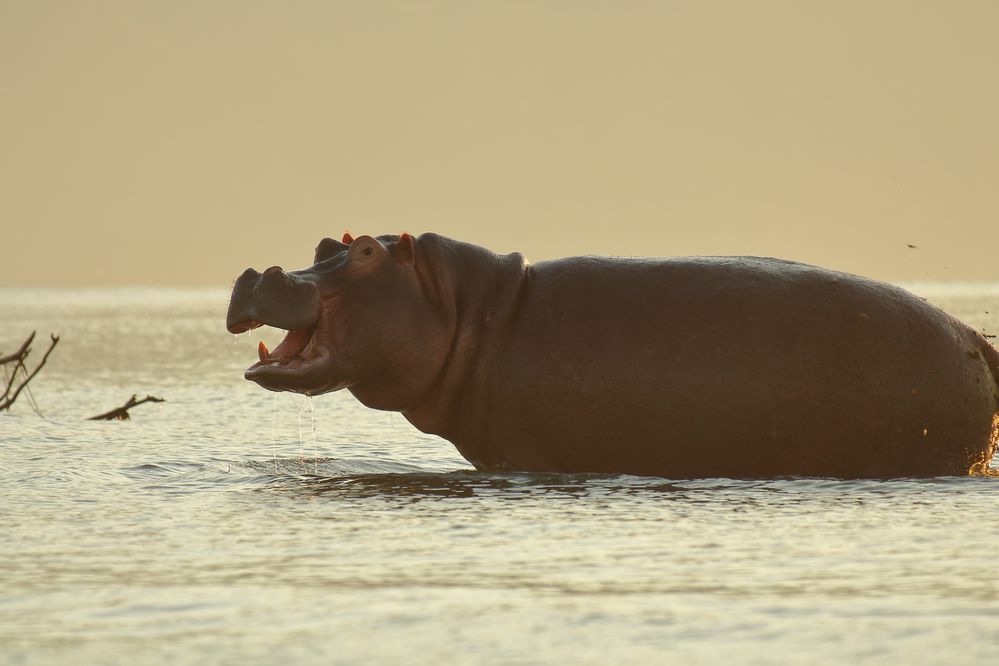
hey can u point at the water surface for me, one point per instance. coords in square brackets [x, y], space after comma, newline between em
[232, 525]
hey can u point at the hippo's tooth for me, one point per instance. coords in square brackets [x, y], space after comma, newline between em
[262, 351]
[310, 349]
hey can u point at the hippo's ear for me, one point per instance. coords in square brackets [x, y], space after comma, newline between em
[347, 238]
[405, 249]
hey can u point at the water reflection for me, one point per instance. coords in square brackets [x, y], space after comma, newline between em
[453, 484]
[334, 479]
[339, 478]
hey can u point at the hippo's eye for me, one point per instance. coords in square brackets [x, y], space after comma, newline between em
[368, 252]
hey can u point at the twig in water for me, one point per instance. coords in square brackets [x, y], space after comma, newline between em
[121, 413]
[18, 358]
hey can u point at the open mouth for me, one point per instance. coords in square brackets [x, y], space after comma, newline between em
[299, 363]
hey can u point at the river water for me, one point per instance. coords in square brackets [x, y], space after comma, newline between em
[231, 525]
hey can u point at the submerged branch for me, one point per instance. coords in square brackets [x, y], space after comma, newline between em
[18, 359]
[121, 413]
[21, 353]
[16, 365]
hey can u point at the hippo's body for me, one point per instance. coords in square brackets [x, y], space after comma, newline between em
[687, 367]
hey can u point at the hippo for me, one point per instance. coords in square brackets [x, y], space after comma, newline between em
[685, 367]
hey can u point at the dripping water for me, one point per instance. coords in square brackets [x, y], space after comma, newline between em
[312, 426]
[274, 431]
[301, 438]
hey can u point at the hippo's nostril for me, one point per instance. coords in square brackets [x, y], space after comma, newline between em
[272, 270]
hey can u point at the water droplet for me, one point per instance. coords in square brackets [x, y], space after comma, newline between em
[274, 431]
[312, 425]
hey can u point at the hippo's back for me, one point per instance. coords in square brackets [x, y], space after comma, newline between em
[733, 366]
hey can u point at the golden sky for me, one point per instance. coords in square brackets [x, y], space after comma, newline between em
[177, 142]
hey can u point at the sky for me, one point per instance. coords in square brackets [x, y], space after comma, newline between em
[177, 143]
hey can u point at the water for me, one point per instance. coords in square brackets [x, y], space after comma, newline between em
[216, 528]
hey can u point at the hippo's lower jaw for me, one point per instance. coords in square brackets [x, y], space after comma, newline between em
[300, 364]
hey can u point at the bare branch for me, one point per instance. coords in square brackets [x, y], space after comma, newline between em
[6, 402]
[19, 357]
[121, 413]
[20, 353]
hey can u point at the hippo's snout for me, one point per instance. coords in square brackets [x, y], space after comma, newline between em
[275, 298]
[302, 361]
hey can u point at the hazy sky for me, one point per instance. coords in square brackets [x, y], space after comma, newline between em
[158, 143]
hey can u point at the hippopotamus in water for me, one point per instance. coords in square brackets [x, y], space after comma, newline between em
[682, 367]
